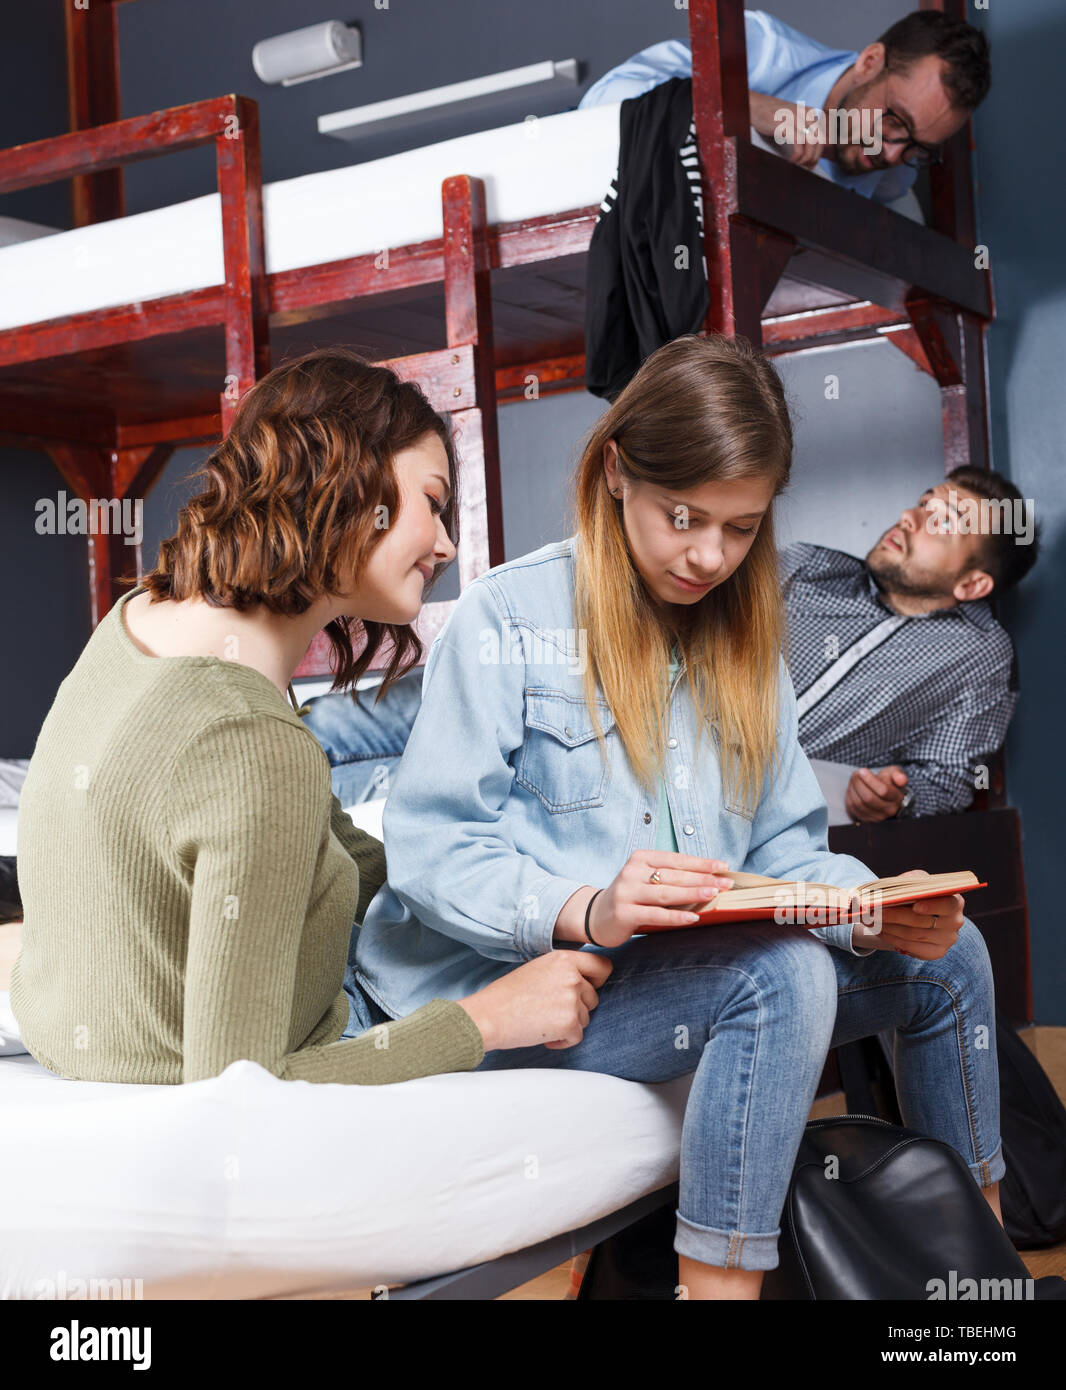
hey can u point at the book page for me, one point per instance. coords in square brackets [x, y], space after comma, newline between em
[951, 883]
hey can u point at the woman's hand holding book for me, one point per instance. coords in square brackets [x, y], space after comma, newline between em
[653, 887]
[926, 930]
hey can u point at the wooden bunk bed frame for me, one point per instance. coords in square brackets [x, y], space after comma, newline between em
[793, 263]
[111, 393]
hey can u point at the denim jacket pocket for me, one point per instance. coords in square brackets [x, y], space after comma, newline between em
[734, 807]
[560, 760]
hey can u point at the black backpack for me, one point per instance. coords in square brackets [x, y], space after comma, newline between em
[903, 1216]
[1032, 1125]
[639, 1263]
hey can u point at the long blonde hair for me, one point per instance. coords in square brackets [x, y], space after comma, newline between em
[699, 410]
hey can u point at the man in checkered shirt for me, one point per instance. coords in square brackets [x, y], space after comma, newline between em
[919, 715]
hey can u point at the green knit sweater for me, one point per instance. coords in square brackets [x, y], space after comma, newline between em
[190, 882]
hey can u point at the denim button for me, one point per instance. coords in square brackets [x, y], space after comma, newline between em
[647, 818]
[672, 743]
[690, 830]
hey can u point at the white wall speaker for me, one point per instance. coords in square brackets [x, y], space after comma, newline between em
[304, 54]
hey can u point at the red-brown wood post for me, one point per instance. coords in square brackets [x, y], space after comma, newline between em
[240, 187]
[133, 474]
[93, 99]
[964, 387]
[951, 182]
[975, 427]
[98, 474]
[908, 342]
[468, 311]
[744, 261]
[953, 343]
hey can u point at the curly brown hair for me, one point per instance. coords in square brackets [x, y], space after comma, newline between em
[292, 506]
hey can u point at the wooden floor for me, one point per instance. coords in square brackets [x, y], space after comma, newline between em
[1047, 1044]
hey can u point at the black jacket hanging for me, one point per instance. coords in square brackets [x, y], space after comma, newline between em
[646, 281]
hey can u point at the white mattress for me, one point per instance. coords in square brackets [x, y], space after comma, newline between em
[246, 1186]
[368, 816]
[550, 164]
[9, 830]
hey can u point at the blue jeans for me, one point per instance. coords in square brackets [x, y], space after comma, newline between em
[364, 1013]
[752, 1010]
[364, 739]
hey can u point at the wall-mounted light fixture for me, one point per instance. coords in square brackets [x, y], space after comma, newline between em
[304, 54]
[499, 91]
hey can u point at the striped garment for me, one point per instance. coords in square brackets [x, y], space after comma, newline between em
[689, 155]
[935, 697]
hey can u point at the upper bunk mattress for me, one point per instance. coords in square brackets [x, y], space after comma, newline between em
[544, 165]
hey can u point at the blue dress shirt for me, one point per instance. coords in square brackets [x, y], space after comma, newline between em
[782, 62]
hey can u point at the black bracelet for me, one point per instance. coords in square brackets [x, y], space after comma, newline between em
[588, 913]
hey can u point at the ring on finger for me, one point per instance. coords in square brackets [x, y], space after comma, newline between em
[656, 876]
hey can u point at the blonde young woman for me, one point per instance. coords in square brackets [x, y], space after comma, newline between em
[608, 724]
[189, 881]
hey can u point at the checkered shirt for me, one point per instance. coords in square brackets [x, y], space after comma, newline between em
[936, 697]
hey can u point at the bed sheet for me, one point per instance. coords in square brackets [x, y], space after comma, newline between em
[244, 1185]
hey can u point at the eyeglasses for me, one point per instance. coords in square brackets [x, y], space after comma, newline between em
[915, 154]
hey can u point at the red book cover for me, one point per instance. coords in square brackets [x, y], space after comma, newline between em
[812, 911]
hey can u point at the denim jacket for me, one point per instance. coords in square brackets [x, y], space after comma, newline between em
[502, 806]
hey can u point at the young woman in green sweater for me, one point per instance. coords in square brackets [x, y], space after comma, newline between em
[189, 880]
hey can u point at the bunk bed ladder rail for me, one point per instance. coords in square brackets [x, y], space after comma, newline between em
[759, 211]
[232, 123]
[459, 380]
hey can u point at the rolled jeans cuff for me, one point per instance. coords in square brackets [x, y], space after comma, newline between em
[991, 1170]
[726, 1249]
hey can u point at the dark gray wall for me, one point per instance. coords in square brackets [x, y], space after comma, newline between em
[1022, 209]
[175, 53]
[842, 492]
[44, 606]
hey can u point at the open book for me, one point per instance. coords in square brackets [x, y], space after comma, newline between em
[793, 901]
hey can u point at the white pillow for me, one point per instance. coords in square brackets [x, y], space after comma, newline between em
[13, 230]
[10, 1042]
[367, 816]
[9, 819]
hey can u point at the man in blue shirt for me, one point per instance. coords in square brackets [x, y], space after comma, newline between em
[910, 91]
